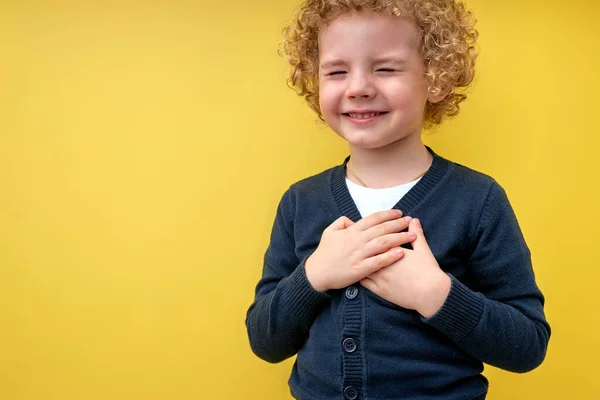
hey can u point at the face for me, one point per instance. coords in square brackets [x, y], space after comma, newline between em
[372, 90]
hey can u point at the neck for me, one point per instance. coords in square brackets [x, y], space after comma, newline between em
[391, 165]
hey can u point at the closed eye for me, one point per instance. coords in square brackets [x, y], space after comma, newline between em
[336, 73]
[386, 70]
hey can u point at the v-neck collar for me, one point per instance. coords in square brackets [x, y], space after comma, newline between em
[439, 167]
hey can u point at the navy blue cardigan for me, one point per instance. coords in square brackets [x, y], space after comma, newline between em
[353, 344]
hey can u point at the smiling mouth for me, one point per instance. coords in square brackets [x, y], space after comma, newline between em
[364, 115]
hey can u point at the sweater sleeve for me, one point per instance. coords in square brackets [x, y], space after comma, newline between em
[285, 303]
[503, 324]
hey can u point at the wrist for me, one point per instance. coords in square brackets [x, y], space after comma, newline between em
[313, 278]
[435, 295]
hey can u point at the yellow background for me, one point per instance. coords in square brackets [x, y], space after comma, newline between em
[144, 147]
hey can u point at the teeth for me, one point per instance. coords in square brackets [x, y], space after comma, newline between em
[362, 115]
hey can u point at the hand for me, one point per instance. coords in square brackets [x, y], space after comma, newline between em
[350, 251]
[415, 282]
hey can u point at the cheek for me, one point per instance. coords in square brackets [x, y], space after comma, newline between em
[407, 96]
[328, 99]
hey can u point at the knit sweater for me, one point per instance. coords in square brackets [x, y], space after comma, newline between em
[352, 344]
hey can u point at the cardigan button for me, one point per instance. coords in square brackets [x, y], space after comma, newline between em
[349, 345]
[351, 292]
[350, 393]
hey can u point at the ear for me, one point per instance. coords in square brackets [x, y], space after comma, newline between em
[435, 92]
[435, 95]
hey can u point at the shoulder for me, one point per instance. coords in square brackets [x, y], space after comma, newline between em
[479, 190]
[309, 204]
[472, 177]
[477, 198]
[312, 191]
[466, 187]
[315, 186]
[470, 181]
[316, 181]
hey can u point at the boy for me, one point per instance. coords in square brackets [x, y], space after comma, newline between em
[398, 273]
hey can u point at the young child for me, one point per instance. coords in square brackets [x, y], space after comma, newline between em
[398, 273]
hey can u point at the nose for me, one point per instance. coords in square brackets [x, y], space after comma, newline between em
[360, 86]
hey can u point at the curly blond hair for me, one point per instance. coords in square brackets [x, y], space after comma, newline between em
[447, 46]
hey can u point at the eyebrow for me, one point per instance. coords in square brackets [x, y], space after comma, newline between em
[393, 60]
[332, 63]
[381, 60]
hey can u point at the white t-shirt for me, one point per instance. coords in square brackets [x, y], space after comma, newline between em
[369, 200]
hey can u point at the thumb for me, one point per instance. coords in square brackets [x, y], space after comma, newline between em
[420, 242]
[339, 224]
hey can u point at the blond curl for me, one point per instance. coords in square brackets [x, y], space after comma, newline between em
[447, 37]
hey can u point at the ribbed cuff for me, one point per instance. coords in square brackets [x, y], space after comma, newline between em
[301, 296]
[460, 313]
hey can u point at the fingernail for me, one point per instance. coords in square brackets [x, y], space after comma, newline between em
[416, 222]
[408, 219]
[412, 235]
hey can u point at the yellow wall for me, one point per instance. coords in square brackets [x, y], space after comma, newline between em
[144, 147]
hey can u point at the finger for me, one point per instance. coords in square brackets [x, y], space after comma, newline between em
[394, 226]
[339, 224]
[387, 242]
[378, 218]
[375, 263]
[348, 222]
[420, 242]
[369, 284]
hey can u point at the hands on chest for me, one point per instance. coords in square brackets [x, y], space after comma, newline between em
[369, 252]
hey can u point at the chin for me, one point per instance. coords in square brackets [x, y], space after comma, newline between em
[368, 144]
